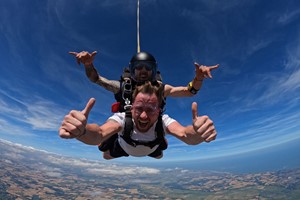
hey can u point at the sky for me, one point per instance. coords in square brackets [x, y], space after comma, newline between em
[253, 97]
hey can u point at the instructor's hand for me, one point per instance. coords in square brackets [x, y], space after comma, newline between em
[84, 57]
[203, 71]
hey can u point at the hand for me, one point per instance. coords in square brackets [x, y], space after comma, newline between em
[203, 126]
[84, 57]
[74, 123]
[204, 71]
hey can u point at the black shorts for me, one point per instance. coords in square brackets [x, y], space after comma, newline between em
[112, 145]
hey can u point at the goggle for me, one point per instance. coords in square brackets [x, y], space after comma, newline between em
[149, 109]
[139, 65]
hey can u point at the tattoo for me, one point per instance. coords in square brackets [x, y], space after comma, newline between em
[110, 85]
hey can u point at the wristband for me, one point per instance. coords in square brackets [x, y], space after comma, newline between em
[191, 88]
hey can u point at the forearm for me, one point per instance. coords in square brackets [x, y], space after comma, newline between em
[95, 134]
[183, 91]
[110, 85]
[92, 135]
[91, 72]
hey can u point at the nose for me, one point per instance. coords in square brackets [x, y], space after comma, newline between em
[143, 115]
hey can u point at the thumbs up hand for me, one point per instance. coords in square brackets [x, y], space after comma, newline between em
[203, 125]
[74, 123]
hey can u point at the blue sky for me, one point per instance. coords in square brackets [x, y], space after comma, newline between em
[253, 97]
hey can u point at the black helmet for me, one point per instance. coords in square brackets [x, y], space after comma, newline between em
[143, 59]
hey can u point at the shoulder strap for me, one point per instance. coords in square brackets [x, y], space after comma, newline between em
[124, 96]
[158, 76]
[126, 73]
[160, 133]
[128, 128]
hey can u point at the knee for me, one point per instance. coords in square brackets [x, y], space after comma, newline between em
[159, 157]
[107, 156]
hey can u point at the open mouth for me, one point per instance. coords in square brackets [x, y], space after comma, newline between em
[143, 124]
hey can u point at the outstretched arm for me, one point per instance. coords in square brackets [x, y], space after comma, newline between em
[87, 59]
[194, 86]
[202, 129]
[75, 125]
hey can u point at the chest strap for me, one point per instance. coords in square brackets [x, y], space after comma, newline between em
[128, 129]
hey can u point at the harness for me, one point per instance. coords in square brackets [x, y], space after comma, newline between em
[124, 100]
[159, 132]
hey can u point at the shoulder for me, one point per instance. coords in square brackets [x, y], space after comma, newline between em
[167, 89]
[118, 117]
[167, 120]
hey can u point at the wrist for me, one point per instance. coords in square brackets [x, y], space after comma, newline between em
[83, 133]
[199, 79]
[89, 65]
[191, 88]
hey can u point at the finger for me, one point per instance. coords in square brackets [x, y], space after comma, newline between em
[76, 55]
[196, 64]
[194, 111]
[74, 124]
[88, 107]
[211, 137]
[73, 53]
[214, 67]
[94, 53]
[209, 74]
[63, 133]
[208, 130]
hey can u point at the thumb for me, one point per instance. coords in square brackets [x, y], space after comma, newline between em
[214, 67]
[88, 107]
[94, 53]
[194, 111]
[73, 53]
[196, 65]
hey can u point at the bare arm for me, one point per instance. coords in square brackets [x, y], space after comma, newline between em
[87, 60]
[202, 129]
[195, 85]
[110, 85]
[180, 91]
[97, 134]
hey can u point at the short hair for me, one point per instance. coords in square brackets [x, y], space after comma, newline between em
[150, 88]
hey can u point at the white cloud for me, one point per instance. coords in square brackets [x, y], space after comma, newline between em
[118, 170]
[37, 112]
[288, 16]
[89, 166]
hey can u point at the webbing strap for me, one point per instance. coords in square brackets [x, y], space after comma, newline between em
[128, 129]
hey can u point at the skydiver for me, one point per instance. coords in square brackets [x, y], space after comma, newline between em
[143, 67]
[145, 112]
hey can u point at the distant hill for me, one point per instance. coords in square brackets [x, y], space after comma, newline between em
[27, 173]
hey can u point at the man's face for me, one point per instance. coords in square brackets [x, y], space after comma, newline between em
[143, 71]
[145, 111]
